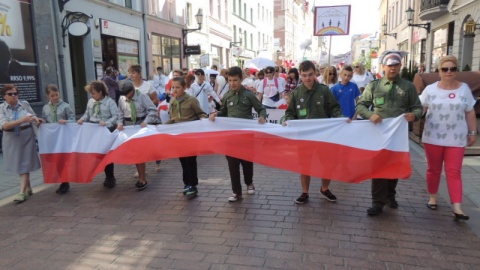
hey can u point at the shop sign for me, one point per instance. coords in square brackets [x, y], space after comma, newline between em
[119, 30]
[205, 60]
[192, 50]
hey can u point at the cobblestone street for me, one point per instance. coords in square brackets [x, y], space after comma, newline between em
[96, 228]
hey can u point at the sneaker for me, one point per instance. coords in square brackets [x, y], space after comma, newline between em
[185, 189]
[234, 197]
[328, 195]
[110, 182]
[191, 192]
[157, 168]
[140, 186]
[251, 189]
[392, 203]
[302, 199]
[21, 197]
[64, 187]
[135, 175]
[29, 192]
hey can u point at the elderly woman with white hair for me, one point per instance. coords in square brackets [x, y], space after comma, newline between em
[361, 77]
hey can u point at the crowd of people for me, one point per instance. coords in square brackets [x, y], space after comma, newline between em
[310, 92]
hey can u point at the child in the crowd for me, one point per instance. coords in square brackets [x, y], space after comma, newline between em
[136, 108]
[185, 108]
[57, 111]
[102, 110]
[238, 103]
[346, 93]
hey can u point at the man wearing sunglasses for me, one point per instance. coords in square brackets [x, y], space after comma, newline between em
[201, 89]
[389, 97]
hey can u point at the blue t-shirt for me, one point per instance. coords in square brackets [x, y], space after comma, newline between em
[346, 95]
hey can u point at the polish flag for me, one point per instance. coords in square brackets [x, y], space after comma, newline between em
[71, 152]
[325, 148]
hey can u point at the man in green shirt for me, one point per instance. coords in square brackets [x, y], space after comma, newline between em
[388, 97]
[312, 100]
[238, 103]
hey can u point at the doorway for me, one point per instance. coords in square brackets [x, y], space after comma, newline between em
[78, 74]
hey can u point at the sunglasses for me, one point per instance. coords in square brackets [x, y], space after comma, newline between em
[357, 66]
[446, 69]
[198, 74]
[331, 74]
[12, 94]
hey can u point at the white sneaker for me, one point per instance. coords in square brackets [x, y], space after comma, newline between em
[234, 198]
[251, 189]
[135, 175]
[157, 169]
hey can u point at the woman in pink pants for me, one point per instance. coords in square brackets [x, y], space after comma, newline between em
[450, 125]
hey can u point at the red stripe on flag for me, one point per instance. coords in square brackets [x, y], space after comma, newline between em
[79, 167]
[318, 159]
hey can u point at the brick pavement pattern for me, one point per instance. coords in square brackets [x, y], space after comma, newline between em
[92, 227]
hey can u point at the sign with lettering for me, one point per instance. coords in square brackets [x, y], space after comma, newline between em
[192, 50]
[119, 30]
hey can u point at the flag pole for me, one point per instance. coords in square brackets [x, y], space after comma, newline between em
[329, 50]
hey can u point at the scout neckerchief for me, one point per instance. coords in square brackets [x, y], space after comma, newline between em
[177, 102]
[53, 108]
[133, 108]
[96, 109]
[391, 93]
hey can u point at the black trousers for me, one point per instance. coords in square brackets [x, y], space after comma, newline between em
[109, 171]
[383, 190]
[189, 167]
[234, 168]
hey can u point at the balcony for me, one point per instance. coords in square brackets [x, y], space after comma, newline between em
[432, 9]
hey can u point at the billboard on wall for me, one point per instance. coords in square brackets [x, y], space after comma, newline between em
[17, 51]
[332, 21]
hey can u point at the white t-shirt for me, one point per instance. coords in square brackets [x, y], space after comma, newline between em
[201, 92]
[269, 91]
[362, 80]
[445, 122]
[147, 88]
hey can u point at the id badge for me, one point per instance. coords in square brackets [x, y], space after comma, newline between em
[380, 100]
[302, 112]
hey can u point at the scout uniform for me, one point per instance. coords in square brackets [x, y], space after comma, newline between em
[183, 109]
[318, 102]
[52, 113]
[103, 110]
[136, 110]
[388, 99]
[239, 104]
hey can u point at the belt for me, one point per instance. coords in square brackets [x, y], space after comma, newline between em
[138, 119]
[21, 128]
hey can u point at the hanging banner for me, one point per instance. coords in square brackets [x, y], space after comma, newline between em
[17, 51]
[332, 21]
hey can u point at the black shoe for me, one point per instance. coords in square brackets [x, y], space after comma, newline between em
[140, 186]
[110, 182]
[302, 199]
[374, 210]
[458, 217]
[392, 204]
[328, 195]
[63, 188]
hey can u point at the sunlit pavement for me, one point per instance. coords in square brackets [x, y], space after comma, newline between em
[92, 227]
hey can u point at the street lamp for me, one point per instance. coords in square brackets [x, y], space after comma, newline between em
[232, 43]
[198, 17]
[384, 30]
[469, 28]
[410, 12]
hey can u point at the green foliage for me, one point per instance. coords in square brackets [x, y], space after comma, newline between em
[407, 74]
[466, 68]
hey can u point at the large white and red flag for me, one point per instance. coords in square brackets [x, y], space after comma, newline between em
[326, 148]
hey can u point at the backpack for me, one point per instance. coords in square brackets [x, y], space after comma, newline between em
[276, 97]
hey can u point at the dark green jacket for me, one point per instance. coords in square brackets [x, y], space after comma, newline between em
[239, 105]
[388, 102]
[317, 102]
